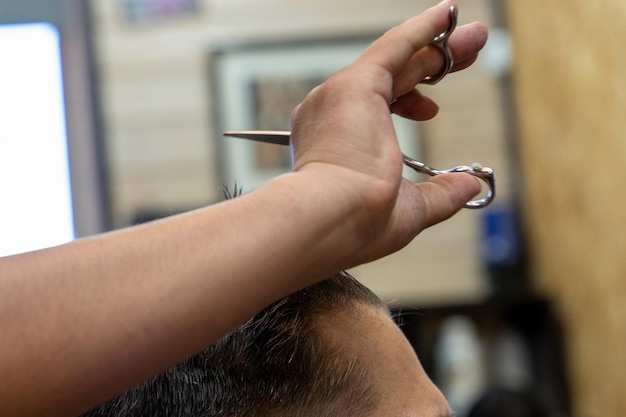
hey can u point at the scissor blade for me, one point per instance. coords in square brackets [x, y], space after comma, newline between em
[277, 137]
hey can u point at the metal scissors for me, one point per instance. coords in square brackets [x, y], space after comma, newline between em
[485, 174]
[441, 43]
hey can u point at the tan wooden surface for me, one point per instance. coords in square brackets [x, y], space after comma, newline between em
[571, 89]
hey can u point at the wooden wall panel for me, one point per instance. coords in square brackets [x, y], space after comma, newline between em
[571, 94]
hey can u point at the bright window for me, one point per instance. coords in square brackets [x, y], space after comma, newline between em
[35, 188]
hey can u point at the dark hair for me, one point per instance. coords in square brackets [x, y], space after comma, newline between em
[277, 363]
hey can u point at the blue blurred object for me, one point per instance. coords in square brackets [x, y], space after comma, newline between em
[501, 237]
[502, 250]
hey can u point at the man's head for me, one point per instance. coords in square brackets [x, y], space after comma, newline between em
[326, 351]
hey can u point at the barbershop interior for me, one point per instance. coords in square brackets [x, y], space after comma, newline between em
[112, 114]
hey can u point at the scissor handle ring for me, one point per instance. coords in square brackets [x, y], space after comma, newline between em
[441, 42]
[486, 175]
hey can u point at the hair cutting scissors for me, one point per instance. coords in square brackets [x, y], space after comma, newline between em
[441, 43]
[483, 173]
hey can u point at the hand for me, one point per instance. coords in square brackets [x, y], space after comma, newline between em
[343, 134]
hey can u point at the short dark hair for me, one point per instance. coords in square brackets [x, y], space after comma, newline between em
[277, 363]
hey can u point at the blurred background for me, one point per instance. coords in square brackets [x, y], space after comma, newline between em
[111, 113]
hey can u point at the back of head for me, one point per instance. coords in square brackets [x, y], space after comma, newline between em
[278, 363]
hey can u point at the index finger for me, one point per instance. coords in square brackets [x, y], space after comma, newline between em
[394, 49]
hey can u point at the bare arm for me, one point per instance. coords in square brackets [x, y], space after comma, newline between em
[85, 321]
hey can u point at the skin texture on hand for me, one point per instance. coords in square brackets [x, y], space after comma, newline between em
[88, 320]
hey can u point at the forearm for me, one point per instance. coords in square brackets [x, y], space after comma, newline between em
[85, 321]
[90, 319]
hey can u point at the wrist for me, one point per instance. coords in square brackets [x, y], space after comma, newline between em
[335, 211]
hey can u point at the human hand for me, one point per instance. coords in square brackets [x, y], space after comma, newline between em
[343, 134]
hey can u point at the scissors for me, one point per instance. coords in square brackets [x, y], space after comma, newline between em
[485, 174]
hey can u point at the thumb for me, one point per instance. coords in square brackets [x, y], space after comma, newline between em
[444, 195]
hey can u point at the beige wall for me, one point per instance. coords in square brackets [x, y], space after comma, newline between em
[571, 88]
[157, 111]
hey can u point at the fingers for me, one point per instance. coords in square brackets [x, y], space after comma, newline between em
[404, 54]
[464, 43]
[413, 105]
[392, 51]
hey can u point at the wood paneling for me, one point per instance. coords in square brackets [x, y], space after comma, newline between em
[571, 94]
